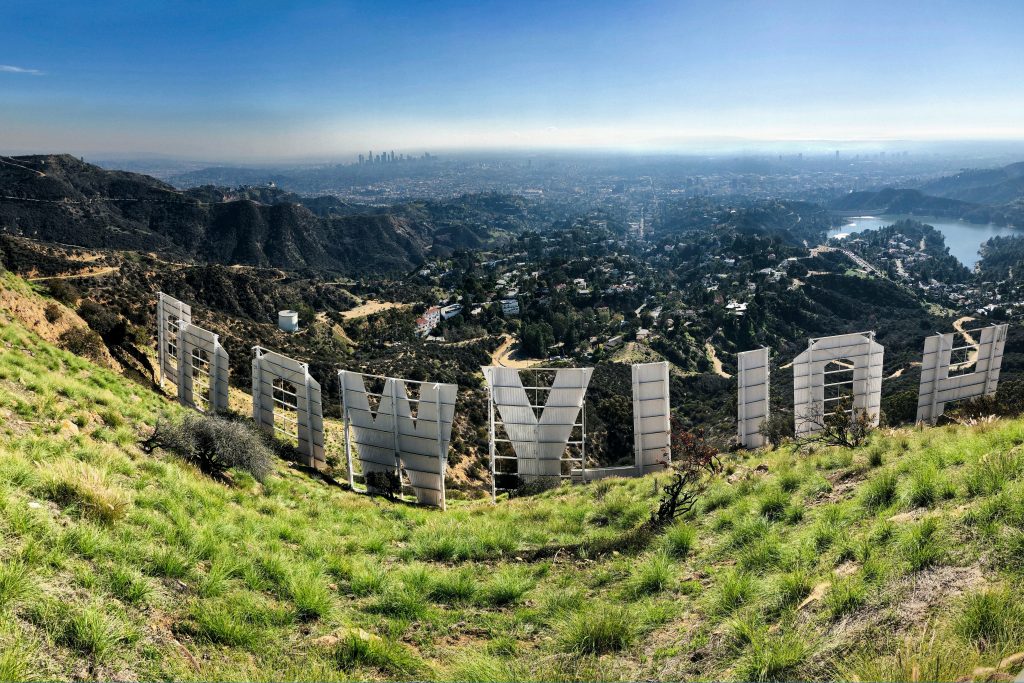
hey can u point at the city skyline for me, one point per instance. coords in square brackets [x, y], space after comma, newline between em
[242, 81]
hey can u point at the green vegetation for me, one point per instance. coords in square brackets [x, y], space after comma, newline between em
[895, 560]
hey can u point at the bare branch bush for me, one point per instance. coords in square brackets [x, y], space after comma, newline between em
[844, 426]
[695, 464]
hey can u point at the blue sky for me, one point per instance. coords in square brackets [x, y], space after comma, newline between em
[291, 79]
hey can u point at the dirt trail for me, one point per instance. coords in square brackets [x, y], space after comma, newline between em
[715, 362]
[507, 356]
[959, 327]
[369, 308]
[99, 272]
[972, 355]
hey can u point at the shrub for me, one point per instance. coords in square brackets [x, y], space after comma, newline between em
[385, 482]
[52, 312]
[84, 342]
[72, 482]
[213, 444]
[105, 322]
[600, 629]
[64, 292]
[777, 427]
[843, 426]
[695, 464]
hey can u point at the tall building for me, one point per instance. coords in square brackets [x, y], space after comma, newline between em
[360, 159]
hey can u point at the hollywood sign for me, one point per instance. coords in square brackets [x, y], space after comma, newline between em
[537, 429]
[846, 370]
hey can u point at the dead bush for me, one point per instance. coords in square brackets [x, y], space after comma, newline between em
[213, 444]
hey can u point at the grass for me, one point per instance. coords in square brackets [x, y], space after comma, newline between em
[598, 630]
[680, 540]
[791, 588]
[359, 651]
[652, 576]
[15, 584]
[845, 596]
[990, 618]
[129, 585]
[506, 587]
[138, 564]
[71, 482]
[774, 658]
[880, 491]
[735, 589]
[221, 624]
[773, 504]
[922, 545]
[453, 587]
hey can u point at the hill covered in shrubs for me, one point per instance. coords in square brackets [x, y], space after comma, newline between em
[59, 198]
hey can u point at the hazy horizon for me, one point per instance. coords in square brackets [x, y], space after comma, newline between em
[238, 82]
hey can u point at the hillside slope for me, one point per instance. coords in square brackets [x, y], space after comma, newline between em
[61, 199]
[901, 560]
[983, 186]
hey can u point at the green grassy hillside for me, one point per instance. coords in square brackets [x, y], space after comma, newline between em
[900, 560]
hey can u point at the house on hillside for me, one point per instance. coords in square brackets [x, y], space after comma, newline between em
[430, 319]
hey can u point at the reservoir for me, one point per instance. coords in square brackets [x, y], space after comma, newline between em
[962, 238]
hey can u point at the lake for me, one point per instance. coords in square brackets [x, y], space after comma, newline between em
[963, 239]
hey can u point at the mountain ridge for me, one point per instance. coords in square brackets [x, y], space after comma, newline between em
[59, 198]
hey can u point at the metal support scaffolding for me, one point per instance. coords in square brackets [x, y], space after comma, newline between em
[202, 366]
[939, 387]
[752, 401]
[541, 446]
[302, 408]
[810, 369]
[393, 439]
[169, 311]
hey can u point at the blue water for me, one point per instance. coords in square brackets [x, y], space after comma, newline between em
[963, 239]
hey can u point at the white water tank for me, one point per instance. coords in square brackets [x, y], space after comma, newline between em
[288, 320]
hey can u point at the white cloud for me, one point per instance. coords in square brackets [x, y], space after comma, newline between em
[8, 69]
